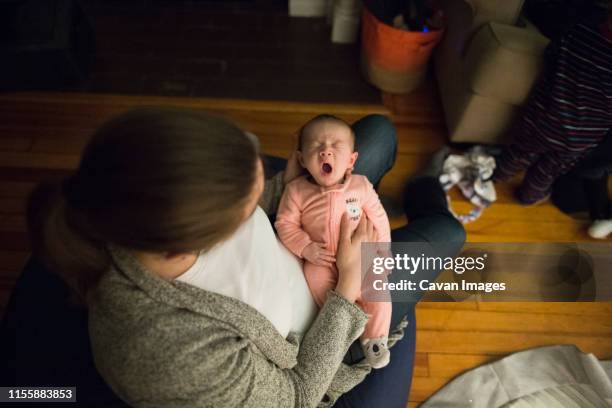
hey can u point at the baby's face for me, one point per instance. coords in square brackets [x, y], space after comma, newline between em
[327, 152]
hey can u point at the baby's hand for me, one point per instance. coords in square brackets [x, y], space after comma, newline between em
[316, 253]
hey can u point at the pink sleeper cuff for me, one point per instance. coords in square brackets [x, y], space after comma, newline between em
[301, 245]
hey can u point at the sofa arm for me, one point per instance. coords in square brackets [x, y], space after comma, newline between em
[503, 61]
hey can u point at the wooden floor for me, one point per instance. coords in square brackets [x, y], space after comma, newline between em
[42, 135]
[247, 49]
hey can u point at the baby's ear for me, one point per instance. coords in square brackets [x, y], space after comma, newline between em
[354, 156]
[300, 158]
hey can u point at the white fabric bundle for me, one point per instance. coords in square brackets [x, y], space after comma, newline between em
[471, 172]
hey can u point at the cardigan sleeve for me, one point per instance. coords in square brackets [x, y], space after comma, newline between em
[338, 324]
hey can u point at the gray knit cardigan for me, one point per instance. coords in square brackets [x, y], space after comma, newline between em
[162, 343]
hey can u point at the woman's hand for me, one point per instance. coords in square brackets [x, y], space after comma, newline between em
[348, 256]
[294, 169]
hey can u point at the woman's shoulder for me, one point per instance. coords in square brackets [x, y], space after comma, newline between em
[118, 299]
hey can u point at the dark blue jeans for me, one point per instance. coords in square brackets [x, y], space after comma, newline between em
[430, 222]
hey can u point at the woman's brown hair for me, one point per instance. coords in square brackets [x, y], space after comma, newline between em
[153, 179]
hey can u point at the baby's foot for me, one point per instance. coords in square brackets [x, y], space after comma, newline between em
[376, 352]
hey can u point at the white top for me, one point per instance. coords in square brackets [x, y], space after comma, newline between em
[255, 268]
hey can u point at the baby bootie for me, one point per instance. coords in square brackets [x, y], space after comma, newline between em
[600, 229]
[376, 352]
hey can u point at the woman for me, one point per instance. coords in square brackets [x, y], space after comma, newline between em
[160, 191]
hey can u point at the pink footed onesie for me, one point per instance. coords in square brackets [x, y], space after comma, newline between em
[309, 213]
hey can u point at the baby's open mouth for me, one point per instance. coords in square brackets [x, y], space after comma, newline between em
[327, 168]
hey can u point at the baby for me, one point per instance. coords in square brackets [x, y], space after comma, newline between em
[308, 218]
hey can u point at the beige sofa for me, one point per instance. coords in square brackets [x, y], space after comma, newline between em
[485, 67]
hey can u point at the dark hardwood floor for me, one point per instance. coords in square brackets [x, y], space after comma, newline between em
[240, 49]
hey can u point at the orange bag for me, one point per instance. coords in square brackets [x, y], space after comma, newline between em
[392, 59]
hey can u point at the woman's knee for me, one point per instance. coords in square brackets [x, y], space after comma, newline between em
[450, 233]
[386, 129]
[379, 128]
[455, 231]
[442, 230]
[376, 142]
